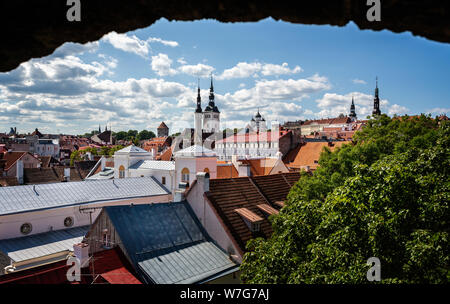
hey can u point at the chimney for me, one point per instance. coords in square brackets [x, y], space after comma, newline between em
[103, 163]
[244, 170]
[19, 171]
[179, 193]
[67, 174]
[203, 181]
[81, 252]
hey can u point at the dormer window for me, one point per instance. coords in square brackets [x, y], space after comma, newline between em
[267, 209]
[251, 219]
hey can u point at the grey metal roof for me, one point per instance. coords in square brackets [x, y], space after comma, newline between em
[166, 242]
[27, 198]
[107, 173]
[132, 149]
[42, 244]
[154, 164]
[187, 265]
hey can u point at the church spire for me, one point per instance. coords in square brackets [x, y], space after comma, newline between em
[199, 99]
[211, 93]
[376, 101]
[352, 110]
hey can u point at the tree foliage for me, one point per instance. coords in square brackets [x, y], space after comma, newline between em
[385, 196]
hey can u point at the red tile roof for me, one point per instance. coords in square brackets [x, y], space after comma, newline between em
[308, 154]
[267, 209]
[163, 126]
[227, 195]
[226, 171]
[248, 215]
[166, 155]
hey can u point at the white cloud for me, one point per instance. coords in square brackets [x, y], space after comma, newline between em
[245, 70]
[181, 60]
[161, 64]
[438, 111]
[358, 81]
[275, 69]
[165, 42]
[241, 70]
[128, 44]
[198, 70]
[333, 104]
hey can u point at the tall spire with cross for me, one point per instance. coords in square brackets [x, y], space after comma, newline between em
[376, 101]
[352, 110]
[199, 99]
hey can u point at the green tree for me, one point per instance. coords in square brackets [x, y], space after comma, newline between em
[121, 135]
[75, 156]
[386, 196]
[144, 135]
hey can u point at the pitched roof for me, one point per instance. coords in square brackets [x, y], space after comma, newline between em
[166, 155]
[11, 158]
[36, 132]
[227, 195]
[308, 154]
[132, 149]
[27, 198]
[163, 126]
[110, 266]
[166, 242]
[36, 176]
[260, 166]
[42, 244]
[226, 171]
[84, 167]
[154, 164]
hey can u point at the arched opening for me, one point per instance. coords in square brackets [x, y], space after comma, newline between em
[121, 172]
[185, 175]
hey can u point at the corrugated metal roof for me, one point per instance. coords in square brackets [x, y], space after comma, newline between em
[187, 265]
[36, 197]
[166, 241]
[42, 244]
[154, 164]
[132, 149]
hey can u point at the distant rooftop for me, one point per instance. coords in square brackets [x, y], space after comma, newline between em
[154, 164]
[131, 149]
[195, 151]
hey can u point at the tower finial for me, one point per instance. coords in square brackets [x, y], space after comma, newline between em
[212, 88]
[199, 99]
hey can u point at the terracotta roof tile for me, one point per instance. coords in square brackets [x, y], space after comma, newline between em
[226, 171]
[308, 154]
[227, 195]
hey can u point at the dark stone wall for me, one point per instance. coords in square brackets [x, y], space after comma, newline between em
[31, 29]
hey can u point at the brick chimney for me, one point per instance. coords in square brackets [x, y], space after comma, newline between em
[81, 252]
[203, 181]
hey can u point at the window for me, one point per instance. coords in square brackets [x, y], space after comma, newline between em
[185, 175]
[163, 180]
[68, 221]
[105, 239]
[121, 172]
[26, 228]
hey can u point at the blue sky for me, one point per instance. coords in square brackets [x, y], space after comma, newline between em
[138, 79]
